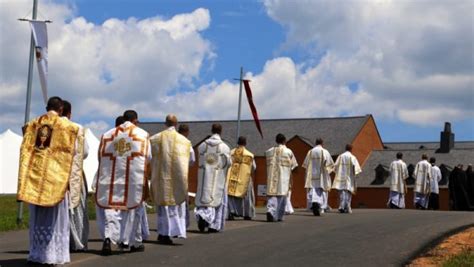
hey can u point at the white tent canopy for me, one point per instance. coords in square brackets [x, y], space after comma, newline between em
[10, 157]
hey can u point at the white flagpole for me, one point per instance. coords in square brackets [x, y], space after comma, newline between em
[19, 218]
[240, 102]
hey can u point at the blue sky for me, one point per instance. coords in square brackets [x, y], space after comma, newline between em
[306, 59]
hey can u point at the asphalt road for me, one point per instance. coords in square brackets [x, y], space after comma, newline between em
[368, 237]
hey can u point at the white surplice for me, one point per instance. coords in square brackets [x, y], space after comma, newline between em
[398, 175]
[280, 163]
[318, 164]
[211, 195]
[347, 168]
[422, 188]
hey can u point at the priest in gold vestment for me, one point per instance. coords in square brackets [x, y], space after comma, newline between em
[280, 163]
[241, 202]
[49, 144]
[171, 157]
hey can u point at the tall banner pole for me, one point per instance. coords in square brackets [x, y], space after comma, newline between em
[19, 218]
[240, 102]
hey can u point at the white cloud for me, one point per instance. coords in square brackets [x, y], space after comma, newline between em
[98, 127]
[105, 68]
[406, 56]
[406, 66]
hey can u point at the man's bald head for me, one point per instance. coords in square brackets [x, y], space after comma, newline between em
[171, 120]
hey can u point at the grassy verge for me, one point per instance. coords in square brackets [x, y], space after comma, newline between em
[8, 213]
[465, 258]
[9, 206]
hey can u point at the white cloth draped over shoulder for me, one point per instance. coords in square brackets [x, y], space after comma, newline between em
[280, 163]
[422, 175]
[77, 179]
[347, 168]
[214, 160]
[124, 153]
[318, 164]
[398, 175]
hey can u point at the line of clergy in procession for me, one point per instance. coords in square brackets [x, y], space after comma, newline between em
[426, 190]
[135, 167]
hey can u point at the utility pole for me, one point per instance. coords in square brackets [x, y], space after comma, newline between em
[19, 217]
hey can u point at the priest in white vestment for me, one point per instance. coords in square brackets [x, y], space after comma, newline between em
[422, 189]
[239, 178]
[318, 164]
[398, 187]
[211, 195]
[46, 158]
[78, 217]
[280, 163]
[124, 156]
[436, 176]
[171, 157]
[347, 168]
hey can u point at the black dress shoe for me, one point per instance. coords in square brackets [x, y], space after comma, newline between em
[247, 218]
[106, 248]
[341, 210]
[315, 207]
[202, 224]
[269, 217]
[164, 240]
[212, 231]
[140, 248]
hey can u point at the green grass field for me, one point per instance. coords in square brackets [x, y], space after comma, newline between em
[9, 207]
[465, 259]
[8, 214]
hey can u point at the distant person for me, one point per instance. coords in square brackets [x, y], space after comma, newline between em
[119, 121]
[422, 188]
[124, 154]
[171, 153]
[347, 168]
[239, 182]
[47, 154]
[211, 195]
[280, 163]
[183, 129]
[398, 186]
[435, 178]
[318, 164]
[458, 191]
[470, 184]
[78, 217]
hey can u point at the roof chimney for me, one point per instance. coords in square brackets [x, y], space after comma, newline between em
[447, 139]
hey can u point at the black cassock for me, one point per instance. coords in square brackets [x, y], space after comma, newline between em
[458, 190]
[470, 185]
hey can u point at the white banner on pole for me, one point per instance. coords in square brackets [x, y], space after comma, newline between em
[40, 34]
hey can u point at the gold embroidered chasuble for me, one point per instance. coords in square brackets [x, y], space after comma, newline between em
[239, 174]
[46, 156]
[170, 166]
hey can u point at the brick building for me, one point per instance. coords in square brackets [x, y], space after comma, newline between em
[360, 131]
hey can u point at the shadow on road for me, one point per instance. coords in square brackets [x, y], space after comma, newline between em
[14, 262]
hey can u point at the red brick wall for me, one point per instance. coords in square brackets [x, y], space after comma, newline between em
[366, 140]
